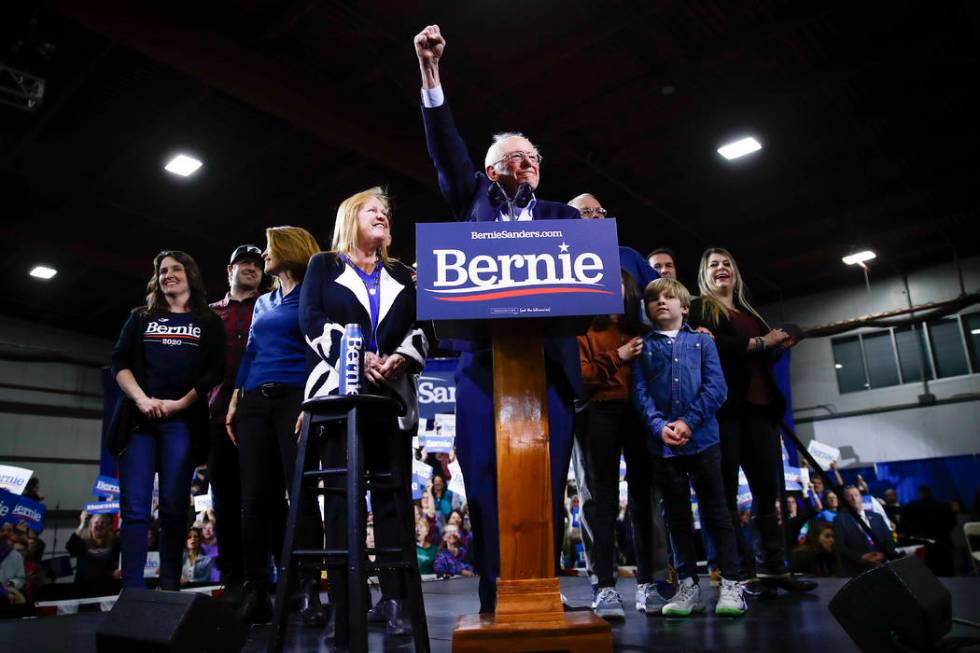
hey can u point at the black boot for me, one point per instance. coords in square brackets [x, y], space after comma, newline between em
[234, 590]
[771, 559]
[376, 615]
[311, 609]
[256, 606]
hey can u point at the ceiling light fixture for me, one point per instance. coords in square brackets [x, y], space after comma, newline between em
[740, 148]
[975, 332]
[838, 366]
[183, 165]
[858, 258]
[43, 272]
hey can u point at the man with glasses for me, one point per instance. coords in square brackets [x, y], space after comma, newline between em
[244, 282]
[502, 190]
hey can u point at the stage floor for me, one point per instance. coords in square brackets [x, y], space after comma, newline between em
[792, 623]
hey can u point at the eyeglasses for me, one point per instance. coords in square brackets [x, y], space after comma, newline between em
[590, 212]
[520, 157]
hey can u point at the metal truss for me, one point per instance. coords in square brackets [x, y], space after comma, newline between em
[19, 89]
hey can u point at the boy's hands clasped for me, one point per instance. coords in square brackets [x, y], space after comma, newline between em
[676, 433]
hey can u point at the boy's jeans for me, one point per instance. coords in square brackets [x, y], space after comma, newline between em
[165, 450]
[674, 475]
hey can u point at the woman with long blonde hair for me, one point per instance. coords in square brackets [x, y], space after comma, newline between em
[358, 282]
[263, 418]
[749, 418]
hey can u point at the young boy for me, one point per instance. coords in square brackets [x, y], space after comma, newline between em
[678, 387]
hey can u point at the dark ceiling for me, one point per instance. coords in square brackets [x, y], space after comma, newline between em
[868, 113]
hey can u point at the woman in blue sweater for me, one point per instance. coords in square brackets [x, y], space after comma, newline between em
[263, 419]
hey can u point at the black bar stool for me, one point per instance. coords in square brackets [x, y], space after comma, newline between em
[351, 628]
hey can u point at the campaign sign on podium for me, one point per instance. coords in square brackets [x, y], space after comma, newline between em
[512, 285]
[541, 268]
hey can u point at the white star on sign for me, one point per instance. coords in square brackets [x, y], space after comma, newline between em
[563, 248]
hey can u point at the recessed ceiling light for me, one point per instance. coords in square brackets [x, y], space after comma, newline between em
[859, 257]
[838, 366]
[975, 332]
[739, 148]
[183, 165]
[43, 272]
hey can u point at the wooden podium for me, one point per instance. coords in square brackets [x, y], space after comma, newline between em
[529, 614]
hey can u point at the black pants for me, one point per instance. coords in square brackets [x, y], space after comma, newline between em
[611, 428]
[675, 476]
[226, 486]
[267, 454]
[385, 450]
[750, 440]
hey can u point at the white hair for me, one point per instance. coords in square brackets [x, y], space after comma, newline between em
[493, 154]
[575, 201]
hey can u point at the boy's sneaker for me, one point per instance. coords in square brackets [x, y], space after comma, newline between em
[608, 604]
[731, 602]
[686, 601]
[652, 597]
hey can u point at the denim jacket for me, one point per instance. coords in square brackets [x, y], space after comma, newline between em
[679, 379]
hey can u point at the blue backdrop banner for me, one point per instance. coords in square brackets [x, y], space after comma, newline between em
[545, 268]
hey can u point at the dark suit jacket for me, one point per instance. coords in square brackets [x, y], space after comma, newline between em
[852, 543]
[464, 185]
[332, 296]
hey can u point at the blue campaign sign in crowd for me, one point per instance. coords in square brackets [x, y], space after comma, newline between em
[15, 509]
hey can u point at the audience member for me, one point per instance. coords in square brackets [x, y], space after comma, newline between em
[818, 556]
[678, 386]
[793, 521]
[830, 506]
[457, 519]
[197, 566]
[96, 549]
[857, 551]
[930, 519]
[32, 490]
[12, 578]
[209, 546]
[893, 508]
[444, 500]
[424, 548]
[450, 561]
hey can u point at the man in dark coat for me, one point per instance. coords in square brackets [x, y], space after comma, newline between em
[501, 190]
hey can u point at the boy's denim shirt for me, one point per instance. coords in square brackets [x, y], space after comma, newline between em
[679, 379]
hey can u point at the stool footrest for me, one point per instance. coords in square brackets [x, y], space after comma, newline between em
[324, 473]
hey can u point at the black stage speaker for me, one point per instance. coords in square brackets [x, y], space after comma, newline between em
[171, 622]
[899, 601]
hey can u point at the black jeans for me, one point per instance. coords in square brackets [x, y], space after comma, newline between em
[750, 440]
[612, 427]
[226, 485]
[386, 449]
[265, 428]
[675, 476]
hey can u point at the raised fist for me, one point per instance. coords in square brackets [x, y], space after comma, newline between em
[429, 45]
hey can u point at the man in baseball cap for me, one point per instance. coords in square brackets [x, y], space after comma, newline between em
[245, 276]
